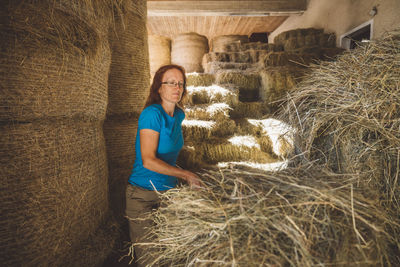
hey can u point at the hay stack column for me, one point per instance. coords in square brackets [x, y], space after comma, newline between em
[159, 52]
[54, 63]
[188, 49]
[128, 87]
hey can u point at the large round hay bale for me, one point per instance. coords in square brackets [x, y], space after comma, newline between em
[129, 72]
[188, 49]
[120, 136]
[54, 64]
[128, 88]
[159, 52]
[221, 43]
[53, 190]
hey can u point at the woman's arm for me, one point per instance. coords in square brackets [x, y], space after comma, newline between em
[148, 146]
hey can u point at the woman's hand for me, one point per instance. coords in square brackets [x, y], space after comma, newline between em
[193, 179]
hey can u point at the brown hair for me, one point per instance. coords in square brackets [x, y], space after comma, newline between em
[154, 96]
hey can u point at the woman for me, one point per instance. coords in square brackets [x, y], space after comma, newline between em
[158, 142]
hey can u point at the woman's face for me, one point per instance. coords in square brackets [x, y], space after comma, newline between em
[171, 89]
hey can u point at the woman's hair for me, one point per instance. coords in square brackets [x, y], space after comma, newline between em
[154, 96]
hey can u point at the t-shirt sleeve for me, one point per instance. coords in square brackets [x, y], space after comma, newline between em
[150, 118]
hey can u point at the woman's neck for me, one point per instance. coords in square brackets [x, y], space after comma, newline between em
[169, 108]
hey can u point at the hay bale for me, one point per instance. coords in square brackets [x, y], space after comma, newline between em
[197, 131]
[189, 159]
[277, 82]
[327, 40]
[232, 47]
[128, 88]
[215, 67]
[216, 111]
[213, 153]
[120, 133]
[211, 94]
[54, 190]
[289, 218]
[200, 79]
[348, 119]
[302, 59]
[281, 38]
[188, 49]
[56, 63]
[261, 46]
[239, 79]
[159, 52]
[220, 43]
[54, 67]
[129, 71]
[249, 110]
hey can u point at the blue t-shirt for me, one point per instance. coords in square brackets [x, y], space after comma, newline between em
[169, 144]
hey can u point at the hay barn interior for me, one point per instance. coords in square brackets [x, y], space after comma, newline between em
[292, 121]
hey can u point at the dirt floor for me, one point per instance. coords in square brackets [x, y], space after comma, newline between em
[118, 257]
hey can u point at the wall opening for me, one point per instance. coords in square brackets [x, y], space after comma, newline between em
[357, 36]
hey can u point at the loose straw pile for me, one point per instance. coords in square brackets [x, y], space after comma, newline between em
[295, 217]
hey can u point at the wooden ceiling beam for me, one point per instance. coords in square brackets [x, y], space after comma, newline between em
[225, 8]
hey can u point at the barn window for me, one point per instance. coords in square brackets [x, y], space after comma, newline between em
[356, 36]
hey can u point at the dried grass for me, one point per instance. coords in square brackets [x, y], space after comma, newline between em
[239, 79]
[249, 110]
[199, 79]
[347, 117]
[347, 113]
[222, 128]
[296, 217]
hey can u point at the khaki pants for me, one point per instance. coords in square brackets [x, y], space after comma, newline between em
[140, 202]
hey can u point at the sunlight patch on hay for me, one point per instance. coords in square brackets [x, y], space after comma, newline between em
[198, 123]
[211, 110]
[275, 166]
[212, 90]
[280, 133]
[245, 140]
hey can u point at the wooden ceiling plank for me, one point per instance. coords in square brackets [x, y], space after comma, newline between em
[225, 8]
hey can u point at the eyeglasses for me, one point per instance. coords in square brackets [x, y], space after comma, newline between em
[174, 84]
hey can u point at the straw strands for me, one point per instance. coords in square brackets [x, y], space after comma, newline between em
[53, 190]
[188, 49]
[199, 79]
[54, 67]
[211, 94]
[129, 71]
[289, 218]
[347, 113]
[54, 64]
[159, 52]
[208, 112]
[220, 43]
[239, 79]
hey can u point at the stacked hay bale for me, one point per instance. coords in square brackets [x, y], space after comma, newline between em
[188, 49]
[338, 206]
[159, 52]
[219, 43]
[283, 69]
[216, 131]
[128, 87]
[54, 66]
[237, 56]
